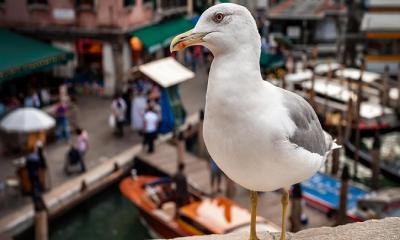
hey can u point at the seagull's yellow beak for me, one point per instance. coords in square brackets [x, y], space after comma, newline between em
[185, 40]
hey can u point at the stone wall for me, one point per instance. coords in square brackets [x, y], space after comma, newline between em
[385, 229]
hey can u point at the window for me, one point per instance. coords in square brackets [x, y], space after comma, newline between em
[129, 3]
[42, 2]
[85, 4]
[383, 46]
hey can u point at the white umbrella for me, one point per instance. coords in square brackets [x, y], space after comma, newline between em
[27, 120]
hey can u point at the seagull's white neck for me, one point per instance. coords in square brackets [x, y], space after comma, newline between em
[239, 68]
[233, 81]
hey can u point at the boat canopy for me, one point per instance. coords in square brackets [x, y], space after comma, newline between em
[324, 68]
[299, 76]
[354, 74]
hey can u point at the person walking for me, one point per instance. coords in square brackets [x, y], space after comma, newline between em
[82, 145]
[118, 107]
[150, 128]
[62, 122]
[35, 163]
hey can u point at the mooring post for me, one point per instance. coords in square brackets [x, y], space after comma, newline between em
[295, 213]
[200, 140]
[312, 91]
[340, 141]
[398, 88]
[375, 154]
[385, 100]
[357, 120]
[341, 217]
[41, 222]
[180, 147]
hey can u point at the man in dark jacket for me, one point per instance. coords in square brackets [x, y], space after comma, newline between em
[181, 193]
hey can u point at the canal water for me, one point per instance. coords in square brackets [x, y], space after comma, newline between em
[105, 216]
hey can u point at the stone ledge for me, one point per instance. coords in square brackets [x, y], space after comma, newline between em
[385, 229]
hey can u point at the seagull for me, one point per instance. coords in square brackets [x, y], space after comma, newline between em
[261, 136]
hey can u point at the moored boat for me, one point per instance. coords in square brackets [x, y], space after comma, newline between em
[202, 215]
[390, 160]
[379, 204]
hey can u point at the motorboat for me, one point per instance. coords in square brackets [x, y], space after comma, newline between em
[153, 196]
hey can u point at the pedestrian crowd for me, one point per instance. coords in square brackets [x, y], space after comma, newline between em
[138, 107]
[36, 98]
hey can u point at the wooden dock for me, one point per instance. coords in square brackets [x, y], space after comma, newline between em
[165, 159]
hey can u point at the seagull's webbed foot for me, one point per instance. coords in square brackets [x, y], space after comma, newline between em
[284, 201]
[254, 199]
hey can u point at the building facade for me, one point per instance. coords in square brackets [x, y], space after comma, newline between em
[381, 28]
[96, 31]
[308, 23]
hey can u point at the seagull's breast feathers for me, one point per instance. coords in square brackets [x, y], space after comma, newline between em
[249, 129]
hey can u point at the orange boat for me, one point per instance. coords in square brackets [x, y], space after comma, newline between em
[200, 216]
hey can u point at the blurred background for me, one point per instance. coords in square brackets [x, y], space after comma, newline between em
[101, 126]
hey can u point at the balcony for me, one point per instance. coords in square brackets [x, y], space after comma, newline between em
[166, 8]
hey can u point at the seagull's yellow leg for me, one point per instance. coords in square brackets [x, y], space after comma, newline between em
[284, 201]
[254, 199]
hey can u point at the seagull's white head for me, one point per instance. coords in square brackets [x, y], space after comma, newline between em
[222, 28]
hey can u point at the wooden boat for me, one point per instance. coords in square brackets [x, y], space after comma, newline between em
[200, 216]
[334, 96]
[322, 192]
[390, 169]
[379, 204]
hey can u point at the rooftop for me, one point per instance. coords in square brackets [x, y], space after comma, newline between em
[382, 3]
[380, 22]
[305, 9]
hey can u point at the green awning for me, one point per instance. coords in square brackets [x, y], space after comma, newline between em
[271, 61]
[21, 55]
[160, 35]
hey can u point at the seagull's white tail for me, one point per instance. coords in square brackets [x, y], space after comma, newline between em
[334, 145]
[330, 143]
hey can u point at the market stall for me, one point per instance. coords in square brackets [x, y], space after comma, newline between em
[167, 73]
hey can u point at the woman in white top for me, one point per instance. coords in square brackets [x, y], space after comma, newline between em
[139, 103]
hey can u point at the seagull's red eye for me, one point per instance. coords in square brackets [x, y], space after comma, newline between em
[218, 17]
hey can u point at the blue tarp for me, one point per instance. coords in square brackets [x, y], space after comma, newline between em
[327, 190]
[168, 120]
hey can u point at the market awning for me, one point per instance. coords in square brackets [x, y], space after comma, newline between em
[160, 35]
[21, 55]
[166, 72]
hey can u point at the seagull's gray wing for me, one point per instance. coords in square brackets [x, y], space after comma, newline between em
[309, 134]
